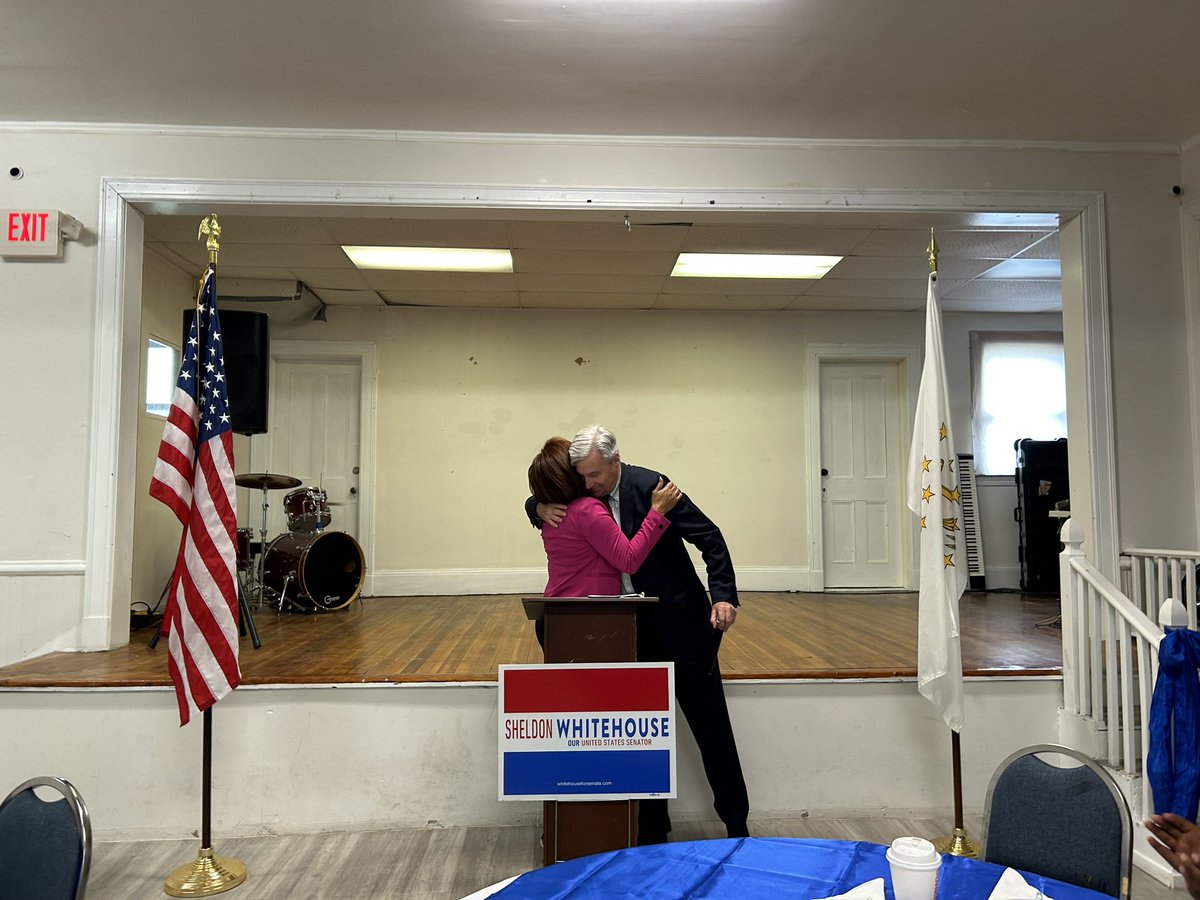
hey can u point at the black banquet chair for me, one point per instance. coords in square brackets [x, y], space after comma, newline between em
[45, 845]
[1067, 822]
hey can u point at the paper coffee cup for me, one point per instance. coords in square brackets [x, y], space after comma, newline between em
[914, 867]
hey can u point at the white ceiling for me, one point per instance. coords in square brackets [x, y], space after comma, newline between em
[1114, 71]
[1067, 70]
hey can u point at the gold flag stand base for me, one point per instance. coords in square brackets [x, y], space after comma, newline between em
[206, 876]
[958, 844]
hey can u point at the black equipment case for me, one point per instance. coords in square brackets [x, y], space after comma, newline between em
[1042, 483]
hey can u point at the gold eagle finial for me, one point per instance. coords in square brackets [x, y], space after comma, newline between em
[211, 228]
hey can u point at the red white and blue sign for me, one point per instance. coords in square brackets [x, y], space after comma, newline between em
[587, 731]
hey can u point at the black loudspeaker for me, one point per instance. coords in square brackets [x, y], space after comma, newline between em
[246, 342]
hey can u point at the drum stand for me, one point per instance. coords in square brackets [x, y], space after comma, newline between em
[262, 548]
[245, 620]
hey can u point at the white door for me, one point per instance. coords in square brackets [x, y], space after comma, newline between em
[862, 480]
[314, 436]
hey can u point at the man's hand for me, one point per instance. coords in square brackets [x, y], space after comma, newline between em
[723, 615]
[1178, 842]
[551, 514]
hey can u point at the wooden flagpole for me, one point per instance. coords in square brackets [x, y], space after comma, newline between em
[208, 874]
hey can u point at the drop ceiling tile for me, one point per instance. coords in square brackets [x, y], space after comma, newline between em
[349, 298]
[593, 262]
[348, 279]
[554, 300]
[418, 232]
[916, 288]
[240, 229]
[907, 267]
[254, 272]
[773, 239]
[724, 301]
[1037, 292]
[166, 252]
[1025, 269]
[1047, 248]
[455, 299]
[766, 287]
[268, 255]
[962, 244]
[189, 252]
[856, 304]
[590, 284]
[599, 235]
[386, 280]
[1005, 305]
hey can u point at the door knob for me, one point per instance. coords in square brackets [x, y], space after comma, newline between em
[824, 471]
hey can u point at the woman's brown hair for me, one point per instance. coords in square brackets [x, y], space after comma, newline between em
[552, 478]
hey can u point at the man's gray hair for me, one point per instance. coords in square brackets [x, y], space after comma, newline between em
[593, 437]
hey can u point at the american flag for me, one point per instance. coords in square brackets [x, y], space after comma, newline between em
[194, 477]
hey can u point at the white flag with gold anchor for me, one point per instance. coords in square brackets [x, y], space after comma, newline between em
[933, 495]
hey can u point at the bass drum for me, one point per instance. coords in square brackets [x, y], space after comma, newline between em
[324, 571]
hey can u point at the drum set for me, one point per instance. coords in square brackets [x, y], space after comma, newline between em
[307, 568]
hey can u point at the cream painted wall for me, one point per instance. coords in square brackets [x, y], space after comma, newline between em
[716, 400]
[166, 292]
[47, 431]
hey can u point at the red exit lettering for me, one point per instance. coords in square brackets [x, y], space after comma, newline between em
[27, 227]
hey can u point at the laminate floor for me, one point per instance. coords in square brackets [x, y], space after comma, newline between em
[437, 864]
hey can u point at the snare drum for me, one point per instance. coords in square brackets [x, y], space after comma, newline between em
[307, 510]
[322, 570]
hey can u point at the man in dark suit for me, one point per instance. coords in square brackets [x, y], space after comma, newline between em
[683, 627]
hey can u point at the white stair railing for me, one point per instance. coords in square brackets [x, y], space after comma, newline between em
[1149, 577]
[1110, 658]
[1111, 638]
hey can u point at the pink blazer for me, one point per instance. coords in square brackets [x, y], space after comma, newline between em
[587, 552]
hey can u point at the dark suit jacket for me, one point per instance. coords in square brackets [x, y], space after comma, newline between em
[680, 619]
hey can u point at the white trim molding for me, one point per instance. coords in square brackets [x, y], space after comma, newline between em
[233, 132]
[111, 487]
[814, 356]
[10, 567]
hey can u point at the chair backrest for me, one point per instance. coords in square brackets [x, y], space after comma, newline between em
[1069, 823]
[45, 846]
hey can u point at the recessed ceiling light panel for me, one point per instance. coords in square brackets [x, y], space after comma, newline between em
[431, 259]
[753, 265]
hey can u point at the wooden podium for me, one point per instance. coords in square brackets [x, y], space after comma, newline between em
[587, 630]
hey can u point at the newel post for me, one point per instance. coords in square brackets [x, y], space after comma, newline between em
[1071, 536]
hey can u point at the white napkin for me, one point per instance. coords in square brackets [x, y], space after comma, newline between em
[869, 890]
[1012, 886]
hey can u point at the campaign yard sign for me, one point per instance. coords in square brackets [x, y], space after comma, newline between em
[603, 731]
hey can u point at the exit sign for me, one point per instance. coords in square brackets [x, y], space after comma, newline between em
[30, 232]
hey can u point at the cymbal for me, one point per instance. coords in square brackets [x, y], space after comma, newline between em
[266, 481]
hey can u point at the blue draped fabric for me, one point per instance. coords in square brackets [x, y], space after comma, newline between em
[743, 868]
[1173, 759]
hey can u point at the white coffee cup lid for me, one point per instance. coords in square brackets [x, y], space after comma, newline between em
[912, 851]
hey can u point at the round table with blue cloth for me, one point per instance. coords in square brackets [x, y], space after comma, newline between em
[755, 867]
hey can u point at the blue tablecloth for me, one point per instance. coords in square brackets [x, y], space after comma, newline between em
[740, 869]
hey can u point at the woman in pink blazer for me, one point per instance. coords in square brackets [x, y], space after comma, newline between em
[587, 552]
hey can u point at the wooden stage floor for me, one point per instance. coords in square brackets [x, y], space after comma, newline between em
[395, 640]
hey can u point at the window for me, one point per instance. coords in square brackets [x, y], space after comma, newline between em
[162, 371]
[1019, 391]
